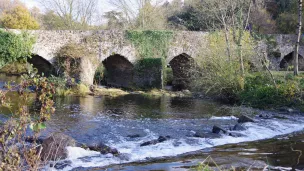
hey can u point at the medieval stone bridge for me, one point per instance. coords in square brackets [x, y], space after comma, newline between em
[118, 53]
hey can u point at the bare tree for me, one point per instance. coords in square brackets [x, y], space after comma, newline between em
[72, 12]
[143, 14]
[9, 4]
[296, 54]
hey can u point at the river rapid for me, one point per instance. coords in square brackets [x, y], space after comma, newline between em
[116, 121]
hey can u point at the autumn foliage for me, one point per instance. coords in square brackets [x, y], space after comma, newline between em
[19, 18]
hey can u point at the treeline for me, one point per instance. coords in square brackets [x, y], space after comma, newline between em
[266, 16]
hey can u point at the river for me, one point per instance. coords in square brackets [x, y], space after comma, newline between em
[112, 121]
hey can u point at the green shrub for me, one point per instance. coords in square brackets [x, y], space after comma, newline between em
[14, 46]
[150, 43]
[259, 91]
[168, 76]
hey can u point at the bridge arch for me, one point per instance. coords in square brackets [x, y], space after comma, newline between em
[41, 64]
[117, 71]
[182, 66]
[287, 61]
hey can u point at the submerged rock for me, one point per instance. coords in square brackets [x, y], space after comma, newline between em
[103, 149]
[235, 134]
[201, 134]
[238, 127]
[134, 136]
[62, 165]
[244, 119]
[54, 147]
[265, 116]
[153, 142]
[217, 130]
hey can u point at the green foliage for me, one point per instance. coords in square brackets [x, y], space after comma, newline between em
[82, 90]
[260, 92]
[99, 75]
[287, 23]
[150, 44]
[168, 76]
[220, 75]
[148, 71]
[16, 68]
[14, 46]
[19, 18]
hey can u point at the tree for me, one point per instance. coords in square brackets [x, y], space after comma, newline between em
[6, 5]
[150, 17]
[115, 20]
[51, 21]
[296, 54]
[19, 18]
[75, 14]
[142, 14]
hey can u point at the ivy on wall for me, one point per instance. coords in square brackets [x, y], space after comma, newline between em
[148, 73]
[150, 43]
[14, 46]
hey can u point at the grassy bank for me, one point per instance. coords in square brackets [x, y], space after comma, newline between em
[260, 91]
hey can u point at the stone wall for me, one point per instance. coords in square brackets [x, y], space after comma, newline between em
[108, 42]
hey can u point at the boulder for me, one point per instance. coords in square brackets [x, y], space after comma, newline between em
[217, 130]
[235, 134]
[265, 116]
[153, 142]
[103, 149]
[244, 119]
[54, 147]
[33, 139]
[134, 136]
[238, 127]
[201, 134]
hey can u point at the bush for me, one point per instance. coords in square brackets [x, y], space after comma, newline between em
[221, 75]
[15, 153]
[260, 92]
[14, 46]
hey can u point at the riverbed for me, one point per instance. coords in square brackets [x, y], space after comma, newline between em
[115, 121]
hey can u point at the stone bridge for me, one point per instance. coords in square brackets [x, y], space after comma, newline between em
[119, 54]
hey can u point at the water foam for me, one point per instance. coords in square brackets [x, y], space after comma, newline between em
[255, 131]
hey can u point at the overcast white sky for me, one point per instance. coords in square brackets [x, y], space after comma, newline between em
[104, 5]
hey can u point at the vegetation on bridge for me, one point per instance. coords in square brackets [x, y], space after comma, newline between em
[149, 43]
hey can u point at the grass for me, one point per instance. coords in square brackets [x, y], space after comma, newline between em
[113, 92]
[15, 68]
[160, 93]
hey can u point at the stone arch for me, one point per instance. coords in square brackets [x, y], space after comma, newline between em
[118, 71]
[183, 67]
[288, 61]
[41, 64]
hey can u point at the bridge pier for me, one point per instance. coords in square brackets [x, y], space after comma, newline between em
[87, 71]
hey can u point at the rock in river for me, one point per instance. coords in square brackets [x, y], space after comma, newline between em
[238, 127]
[217, 130]
[54, 147]
[103, 149]
[244, 119]
[153, 142]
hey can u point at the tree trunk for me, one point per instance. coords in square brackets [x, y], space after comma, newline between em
[296, 53]
[226, 37]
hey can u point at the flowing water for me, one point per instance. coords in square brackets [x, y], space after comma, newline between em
[113, 120]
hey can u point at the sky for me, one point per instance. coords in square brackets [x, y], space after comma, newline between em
[104, 5]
